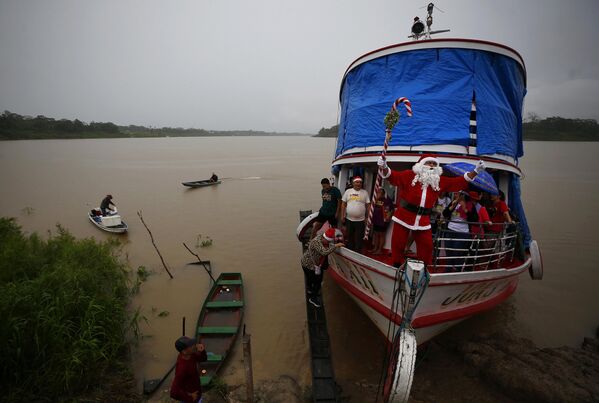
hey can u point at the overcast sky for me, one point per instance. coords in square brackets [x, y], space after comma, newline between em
[272, 65]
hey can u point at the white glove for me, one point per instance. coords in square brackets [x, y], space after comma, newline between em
[480, 166]
[382, 163]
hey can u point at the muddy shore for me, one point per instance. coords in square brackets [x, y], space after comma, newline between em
[491, 367]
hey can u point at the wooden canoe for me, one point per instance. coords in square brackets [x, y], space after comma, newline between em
[199, 184]
[219, 322]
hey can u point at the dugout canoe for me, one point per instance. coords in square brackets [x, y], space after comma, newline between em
[219, 322]
[202, 183]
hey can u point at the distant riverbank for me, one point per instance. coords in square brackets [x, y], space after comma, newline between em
[18, 127]
[550, 129]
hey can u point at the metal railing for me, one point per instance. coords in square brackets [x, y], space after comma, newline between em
[473, 251]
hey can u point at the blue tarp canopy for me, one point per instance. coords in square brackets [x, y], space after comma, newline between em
[441, 84]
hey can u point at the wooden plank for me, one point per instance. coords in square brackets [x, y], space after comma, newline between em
[215, 357]
[230, 282]
[224, 304]
[205, 380]
[217, 330]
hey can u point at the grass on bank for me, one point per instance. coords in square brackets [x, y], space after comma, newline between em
[65, 327]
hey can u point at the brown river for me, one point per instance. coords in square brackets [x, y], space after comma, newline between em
[251, 218]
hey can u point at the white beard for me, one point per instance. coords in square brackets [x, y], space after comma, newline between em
[427, 176]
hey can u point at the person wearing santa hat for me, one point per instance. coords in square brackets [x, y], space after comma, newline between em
[315, 260]
[419, 188]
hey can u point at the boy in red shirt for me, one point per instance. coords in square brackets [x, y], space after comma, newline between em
[500, 214]
[186, 386]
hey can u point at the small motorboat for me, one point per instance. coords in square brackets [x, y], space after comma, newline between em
[219, 322]
[202, 183]
[109, 223]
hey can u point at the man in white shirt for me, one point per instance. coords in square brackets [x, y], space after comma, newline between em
[355, 204]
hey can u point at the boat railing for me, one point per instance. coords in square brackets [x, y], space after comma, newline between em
[476, 250]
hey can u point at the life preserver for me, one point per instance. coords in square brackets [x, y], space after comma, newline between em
[536, 268]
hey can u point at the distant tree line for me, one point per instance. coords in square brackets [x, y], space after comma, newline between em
[560, 129]
[330, 132]
[551, 129]
[17, 127]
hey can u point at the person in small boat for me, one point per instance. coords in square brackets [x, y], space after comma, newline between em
[214, 177]
[419, 189]
[355, 204]
[105, 205]
[186, 386]
[381, 217]
[331, 206]
[315, 260]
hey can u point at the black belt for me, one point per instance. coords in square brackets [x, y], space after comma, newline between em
[414, 208]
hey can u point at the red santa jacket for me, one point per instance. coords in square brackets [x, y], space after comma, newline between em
[416, 196]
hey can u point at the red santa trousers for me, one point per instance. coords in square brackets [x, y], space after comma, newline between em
[424, 244]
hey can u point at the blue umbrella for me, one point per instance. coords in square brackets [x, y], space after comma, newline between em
[483, 181]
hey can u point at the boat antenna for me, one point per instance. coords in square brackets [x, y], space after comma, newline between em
[418, 28]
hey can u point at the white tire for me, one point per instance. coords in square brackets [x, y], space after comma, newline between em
[404, 372]
[536, 268]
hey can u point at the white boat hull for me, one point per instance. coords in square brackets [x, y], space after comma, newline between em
[449, 298]
[118, 229]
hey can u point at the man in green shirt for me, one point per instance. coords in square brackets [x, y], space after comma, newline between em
[331, 207]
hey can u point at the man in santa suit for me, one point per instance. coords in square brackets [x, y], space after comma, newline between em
[419, 188]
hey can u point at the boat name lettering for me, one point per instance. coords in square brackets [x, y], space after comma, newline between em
[357, 276]
[475, 292]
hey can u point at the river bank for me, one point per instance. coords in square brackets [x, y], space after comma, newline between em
[494, 366]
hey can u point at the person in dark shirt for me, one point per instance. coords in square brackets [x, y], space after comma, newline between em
[105, 204]
[186, 386]
[214, 177]
[331, 207]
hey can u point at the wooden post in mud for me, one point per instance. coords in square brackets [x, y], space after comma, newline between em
[247, 363]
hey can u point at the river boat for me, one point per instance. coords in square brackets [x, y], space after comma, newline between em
[202, 183]
[110, 223]
[219, 322]
[467, 98]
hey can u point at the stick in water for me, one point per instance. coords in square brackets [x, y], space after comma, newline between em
[201, 262]
[154, 243]
[151, 385]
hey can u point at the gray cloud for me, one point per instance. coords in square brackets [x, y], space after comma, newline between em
[265, 64]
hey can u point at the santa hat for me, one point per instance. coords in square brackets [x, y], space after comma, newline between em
[424, 158]
[357, 178]
[329, 234]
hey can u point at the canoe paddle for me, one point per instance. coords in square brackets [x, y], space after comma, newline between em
[151, 385]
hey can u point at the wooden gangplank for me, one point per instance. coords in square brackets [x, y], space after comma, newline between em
[324, 387]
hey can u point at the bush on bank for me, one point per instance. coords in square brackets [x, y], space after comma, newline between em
[63, 304]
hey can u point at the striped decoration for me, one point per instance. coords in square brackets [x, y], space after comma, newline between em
[473, 122]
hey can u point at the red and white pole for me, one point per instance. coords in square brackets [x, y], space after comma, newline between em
[391, 120]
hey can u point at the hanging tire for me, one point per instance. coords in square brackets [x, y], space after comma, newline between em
[536, 268]
[404, 371]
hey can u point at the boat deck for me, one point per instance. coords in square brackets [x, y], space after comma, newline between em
[324, 387]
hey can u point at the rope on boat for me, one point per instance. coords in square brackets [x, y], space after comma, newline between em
[406, 304]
